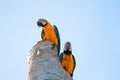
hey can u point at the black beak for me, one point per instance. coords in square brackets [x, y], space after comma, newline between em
[40, 24]
[68, 45]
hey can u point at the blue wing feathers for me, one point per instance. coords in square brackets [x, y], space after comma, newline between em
[74, 62]
[58, 37]
[60, 57]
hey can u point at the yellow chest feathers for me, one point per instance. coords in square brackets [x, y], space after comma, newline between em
[67, 59]
[68, 63]
[50, 34]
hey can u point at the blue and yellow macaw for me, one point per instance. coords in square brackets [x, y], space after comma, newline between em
[67, 59]
[49, 32]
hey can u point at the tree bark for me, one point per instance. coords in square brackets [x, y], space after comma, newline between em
[43, 63]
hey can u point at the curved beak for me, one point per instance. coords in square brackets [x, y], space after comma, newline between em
[41, 22]
[67, 46]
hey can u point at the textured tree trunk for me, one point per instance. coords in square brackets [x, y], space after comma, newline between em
[43, 63]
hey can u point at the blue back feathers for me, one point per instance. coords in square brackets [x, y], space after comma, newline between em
[58, 37]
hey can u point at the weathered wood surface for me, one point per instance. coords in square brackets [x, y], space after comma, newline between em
[43, 63]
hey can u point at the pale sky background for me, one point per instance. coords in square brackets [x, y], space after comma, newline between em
[92, 26]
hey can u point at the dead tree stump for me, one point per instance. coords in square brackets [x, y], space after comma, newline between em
[43, 63]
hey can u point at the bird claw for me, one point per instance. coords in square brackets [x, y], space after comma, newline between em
[71, 74]
[53, 46]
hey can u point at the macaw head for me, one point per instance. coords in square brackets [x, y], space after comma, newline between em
[42, 22]
[67, 48]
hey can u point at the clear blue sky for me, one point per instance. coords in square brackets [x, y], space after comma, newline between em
[92, 26]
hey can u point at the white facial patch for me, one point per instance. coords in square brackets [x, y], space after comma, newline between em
[68, 46]
[44, 23]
